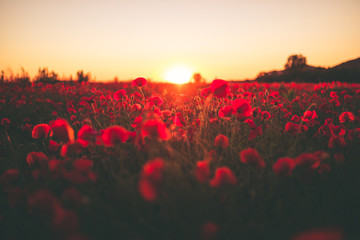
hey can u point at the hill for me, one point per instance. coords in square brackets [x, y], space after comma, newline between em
[348, 71]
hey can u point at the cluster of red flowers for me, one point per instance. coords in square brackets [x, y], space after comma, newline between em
[137, 116]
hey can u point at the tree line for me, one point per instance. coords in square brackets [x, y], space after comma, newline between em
[43, 75]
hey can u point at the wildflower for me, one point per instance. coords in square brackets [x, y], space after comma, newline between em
[309, 115]
[205, 92]
[150, 179]
[219, 88]
[265, 115]
[295, 128]
[295, 118]
[5, 121]
[284, 166]
[252, 157]
[38, 158]
[156, 100]
[155, 128]
[202, 171]
[42, 131]
[137, 122]
[179, 120]
[119, 95]
[62, 130]
[336, 141]
[346, 117]
[255, 130]
[223, 176]
[136, 107]
[221, 141]
[86, 133]
[71, 149]
[114, 135]
[308, 161]
[225, 111]
[242, 109]
[140, 81]
[53, 146]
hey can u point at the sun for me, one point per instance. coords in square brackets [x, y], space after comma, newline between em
[178, 74]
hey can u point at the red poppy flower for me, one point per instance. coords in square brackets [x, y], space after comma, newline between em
[336, 141]
[179, 120]
[86, 133]
[346, 117]
[156, 100]
[252, 157]
[120, 94]
[140, 81]
[242, 109]
[38, 158]
[150, 179]
[205, 92]
[42, 131]
[295, 128]
[5, 121]
[284, 166]
[202, 172]
[295, 118]
[155, 128]
[308, 161]
[221, 141]
[254, 133]
[265, 115]
[309, 115]
[114, 135]
[62, 130]
[223, 176]
[53, 146]
[71, 149]
[219, 88]
[136, 107]
[225, 111]
[250, 123]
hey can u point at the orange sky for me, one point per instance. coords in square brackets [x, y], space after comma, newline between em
[229, 39]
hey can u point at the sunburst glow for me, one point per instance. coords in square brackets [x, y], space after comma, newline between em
[178, 74]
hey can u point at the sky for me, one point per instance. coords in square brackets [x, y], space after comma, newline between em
[228, 39]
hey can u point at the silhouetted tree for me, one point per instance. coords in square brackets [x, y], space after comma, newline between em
[295, 61]
[82, 77]
[46, 77]
[197, 78]
[2, 78]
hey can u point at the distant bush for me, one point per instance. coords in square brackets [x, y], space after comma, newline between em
[45, 76]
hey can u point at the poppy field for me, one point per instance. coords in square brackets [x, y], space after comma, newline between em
[143, 160]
